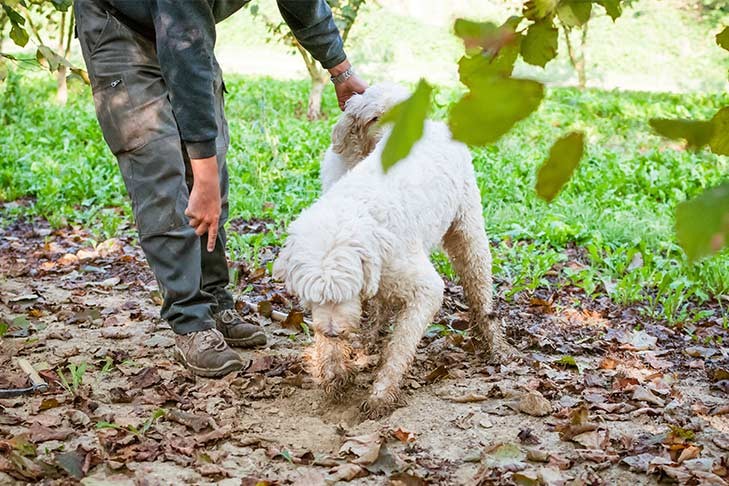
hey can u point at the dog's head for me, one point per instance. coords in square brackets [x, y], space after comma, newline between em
[330, 266]
[357, 131]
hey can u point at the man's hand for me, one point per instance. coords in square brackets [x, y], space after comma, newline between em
[349, 87]
[203, 209]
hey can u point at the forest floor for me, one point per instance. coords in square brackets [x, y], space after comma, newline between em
[601, 396]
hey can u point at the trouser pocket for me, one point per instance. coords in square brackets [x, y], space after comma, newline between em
[116, 114]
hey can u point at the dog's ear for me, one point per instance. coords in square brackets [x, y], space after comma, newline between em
[371, 278]
[371, 272]
[351, 136]
[343, 133]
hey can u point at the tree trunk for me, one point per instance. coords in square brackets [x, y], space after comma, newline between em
[61, 86]
[318, 83]
[577, 59]
[65, 51]
[581, 65]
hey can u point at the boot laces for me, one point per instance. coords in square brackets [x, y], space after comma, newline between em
[229, 316]
[212, 339]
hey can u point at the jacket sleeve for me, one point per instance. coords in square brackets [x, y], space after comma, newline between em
[185, 39]
[312, 24]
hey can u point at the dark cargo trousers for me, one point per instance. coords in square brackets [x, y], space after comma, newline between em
[136, 118]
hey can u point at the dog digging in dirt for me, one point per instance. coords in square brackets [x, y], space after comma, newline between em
[366, 243]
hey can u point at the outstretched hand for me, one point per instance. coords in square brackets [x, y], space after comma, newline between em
[353, 85]
[345, 90]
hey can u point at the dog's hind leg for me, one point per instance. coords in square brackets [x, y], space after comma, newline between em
[418, 286]
[468, 249]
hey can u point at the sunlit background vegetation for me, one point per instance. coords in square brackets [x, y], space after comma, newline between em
[609, 232]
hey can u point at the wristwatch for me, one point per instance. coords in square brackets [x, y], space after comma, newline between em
[343, 76]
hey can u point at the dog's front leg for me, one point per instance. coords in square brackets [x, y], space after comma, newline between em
[422, 293]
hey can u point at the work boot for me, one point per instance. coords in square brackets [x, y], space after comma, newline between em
[206, 353]
[237, 332]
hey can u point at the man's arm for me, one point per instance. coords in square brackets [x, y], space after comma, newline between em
[185, 37]
[312, 24]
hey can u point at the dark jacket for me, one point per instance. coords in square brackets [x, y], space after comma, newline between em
[184, 33]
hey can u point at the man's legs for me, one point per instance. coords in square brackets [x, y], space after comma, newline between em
[136, 118]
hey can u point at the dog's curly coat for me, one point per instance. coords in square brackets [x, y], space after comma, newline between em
[369, 237]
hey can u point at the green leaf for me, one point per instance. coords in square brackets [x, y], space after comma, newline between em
[408, 118]
[492, 107]
[722, 38]
[702, 224]
[719, 141]
[47, 57]
[81, 73]
[108, 425]
[486, 36]
[19, 35]
[3, 328]
[474, 33]
[481, 67]
[540, 43]
[564, 156]
[696, 132]
[574, 13]
[612, 7]
[14, 16]
[539, 9]
[570, 361]
[3, 75]
[61, 5]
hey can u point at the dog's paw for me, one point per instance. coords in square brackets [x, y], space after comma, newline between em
[501, 352]
[336, 390]
[377, 406]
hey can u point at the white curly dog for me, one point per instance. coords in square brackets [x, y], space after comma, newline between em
[367, 240]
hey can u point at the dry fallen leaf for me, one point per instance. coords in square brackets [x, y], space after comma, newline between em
[534, 403]
[403, 435]
[642, 394]
[365, 448]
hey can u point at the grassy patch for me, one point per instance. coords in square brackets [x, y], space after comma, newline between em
[617, 211]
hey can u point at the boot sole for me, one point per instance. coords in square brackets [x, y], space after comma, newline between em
[258, 339]
[228, 367]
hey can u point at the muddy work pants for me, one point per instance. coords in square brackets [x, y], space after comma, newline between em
[136, 118]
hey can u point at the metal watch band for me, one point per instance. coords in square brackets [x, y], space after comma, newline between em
[343, 76]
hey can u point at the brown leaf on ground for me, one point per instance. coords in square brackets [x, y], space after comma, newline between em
[403, 435]
[534, 403]
[293, 321]
[365, 448]
[190, 420]
[215, 435]
[345, 472]
[38, 433]
[642, 394]
[146, 378]
[437, 374]
[578, 424]
[213, 471]
[21, 467]
[721, 441]
[690, 452]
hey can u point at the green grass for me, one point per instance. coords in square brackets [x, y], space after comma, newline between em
[620, 202]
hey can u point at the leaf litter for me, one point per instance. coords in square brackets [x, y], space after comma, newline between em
[599, 397]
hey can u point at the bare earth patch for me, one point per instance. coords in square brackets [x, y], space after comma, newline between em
[595, 399]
